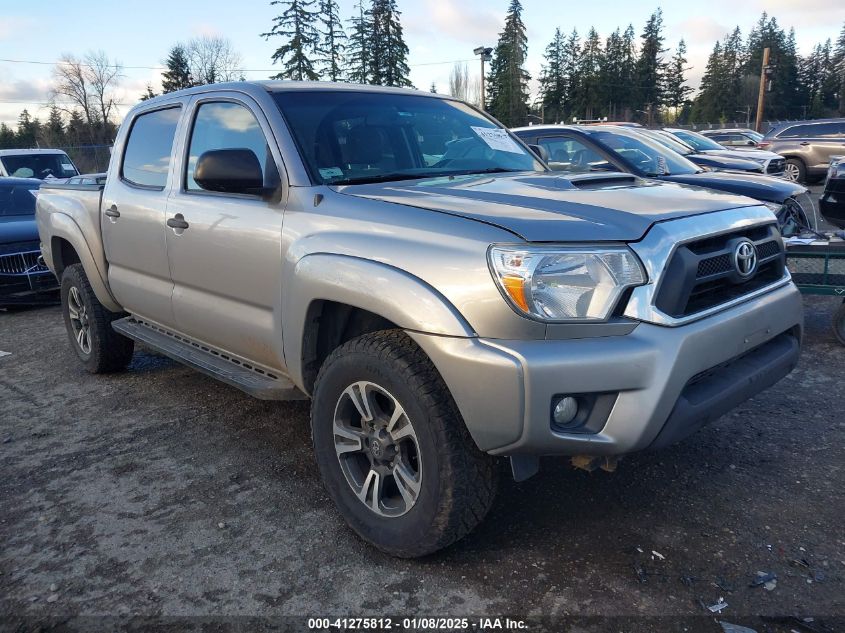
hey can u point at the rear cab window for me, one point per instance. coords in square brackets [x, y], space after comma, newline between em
[146, 159]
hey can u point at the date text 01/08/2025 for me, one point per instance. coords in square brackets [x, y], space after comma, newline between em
[416, 624]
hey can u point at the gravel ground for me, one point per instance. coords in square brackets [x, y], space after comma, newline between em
[158, 492]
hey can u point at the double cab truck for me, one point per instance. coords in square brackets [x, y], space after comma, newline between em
[442, 297]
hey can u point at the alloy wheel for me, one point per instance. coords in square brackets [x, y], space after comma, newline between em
[79, 320]
[377, 448]
[791, 172]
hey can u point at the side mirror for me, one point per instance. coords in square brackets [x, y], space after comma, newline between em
[541, 152]
[230, 171]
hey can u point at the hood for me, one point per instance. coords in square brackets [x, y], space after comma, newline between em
[766, 188]
[547, 207]
[725, 162]
[17, 228]
[746, 154]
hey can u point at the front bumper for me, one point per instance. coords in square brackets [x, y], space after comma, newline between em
[664, 382]
[28, 289]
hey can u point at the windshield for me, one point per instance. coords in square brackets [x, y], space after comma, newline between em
[696, 141]
[18, 199]
[667, 140]
[41, 166]
[645, 154]
[754, 135]
[347, 137]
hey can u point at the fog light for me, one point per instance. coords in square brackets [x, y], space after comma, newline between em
[565, 410]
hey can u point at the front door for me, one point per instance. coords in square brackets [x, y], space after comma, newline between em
[133, 223]
[226, 264]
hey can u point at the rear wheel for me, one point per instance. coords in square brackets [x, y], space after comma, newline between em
[393, 451]
[88, 325]
[794, 170]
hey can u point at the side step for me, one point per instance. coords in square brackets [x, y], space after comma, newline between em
[256, 381]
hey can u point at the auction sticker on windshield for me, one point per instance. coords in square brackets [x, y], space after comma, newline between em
[497, 139]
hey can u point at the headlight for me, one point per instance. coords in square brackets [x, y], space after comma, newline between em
[565, 283]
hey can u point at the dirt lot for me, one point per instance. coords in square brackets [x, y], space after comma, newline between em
[158, 492]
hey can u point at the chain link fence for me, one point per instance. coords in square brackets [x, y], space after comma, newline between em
[89, 159]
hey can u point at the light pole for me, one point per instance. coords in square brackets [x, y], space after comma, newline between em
[486, 54]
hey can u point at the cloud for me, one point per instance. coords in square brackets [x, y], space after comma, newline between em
[13, 26]
[699, 30]
[451, 19]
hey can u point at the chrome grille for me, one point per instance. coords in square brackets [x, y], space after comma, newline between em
[22, 263]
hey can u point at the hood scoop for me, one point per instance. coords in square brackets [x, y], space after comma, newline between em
[586, 181]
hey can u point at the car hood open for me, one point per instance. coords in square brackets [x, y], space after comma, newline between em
[553, 207]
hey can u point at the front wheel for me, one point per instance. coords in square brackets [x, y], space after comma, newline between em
[88, 325]
[392, 449]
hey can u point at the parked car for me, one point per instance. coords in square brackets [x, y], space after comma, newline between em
[707, 161]
[807, 146]
[24, 278]
[441, 295]
[832, 202]
[612, 148]
[43, 164]
[773, 164]
[739, 138]
[87, 179]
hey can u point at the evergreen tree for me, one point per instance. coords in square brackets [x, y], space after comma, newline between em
[178, 73]
[508, 81]
[676, 88]
[7, 137]
[75, 131]
[553, 85]
[54, 130]
[835, 84]
[332, 42]
[149, 94]
[388, 51]
[570, 63]
[28, 129]
[358, 48]
[650, 65]
[433, 88]
[610, 75]
[296, 25]
[590, 91]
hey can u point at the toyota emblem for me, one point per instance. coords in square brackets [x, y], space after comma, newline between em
[745, 258]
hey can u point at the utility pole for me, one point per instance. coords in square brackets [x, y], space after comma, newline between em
[486, 54]
[761, 97]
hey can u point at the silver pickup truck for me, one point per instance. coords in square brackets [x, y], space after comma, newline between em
[441, 296]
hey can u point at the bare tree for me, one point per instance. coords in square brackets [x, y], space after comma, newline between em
[212, 59]
[103, 77]
[70, 81]
[459, 81]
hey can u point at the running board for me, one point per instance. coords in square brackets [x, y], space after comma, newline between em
[256, 381]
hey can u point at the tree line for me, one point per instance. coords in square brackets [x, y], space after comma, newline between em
[633, 78]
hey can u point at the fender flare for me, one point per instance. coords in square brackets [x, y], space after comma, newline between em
[64, 227]
[389, 292]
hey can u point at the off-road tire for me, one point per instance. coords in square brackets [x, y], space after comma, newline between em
[458, 483]
[109, 351]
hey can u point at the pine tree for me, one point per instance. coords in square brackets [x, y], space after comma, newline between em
[570, 62]
[332, 41]
[553, 85]
[75, 130]
[27, 131]
[837, 78]
[54, 129]
[149, 93]
[7, 137]
[676, 88]
[433, 88]
[508, 82]
[388, 51]
[178, 73]
[359, 47]
[650, 65]
[296, 25]
[590, 95]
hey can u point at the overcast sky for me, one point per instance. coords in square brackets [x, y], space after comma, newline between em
[438, 32]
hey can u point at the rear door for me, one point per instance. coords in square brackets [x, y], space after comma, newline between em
[226, 265]
[133, 222]
[816, 142]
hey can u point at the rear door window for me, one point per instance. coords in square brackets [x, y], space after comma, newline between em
[146, 160]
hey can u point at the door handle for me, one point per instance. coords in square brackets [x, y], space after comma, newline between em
[177, 222]
[112, 212]
[804, 143]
